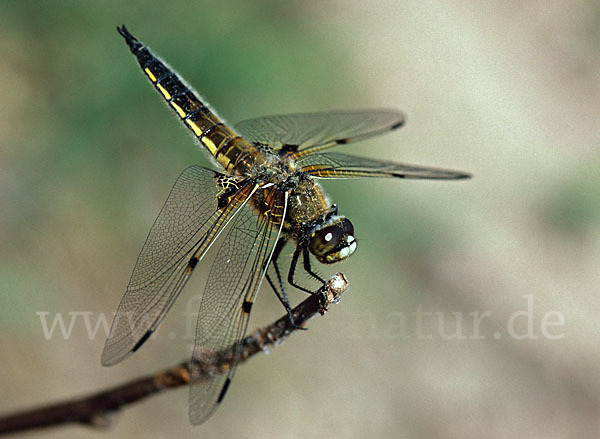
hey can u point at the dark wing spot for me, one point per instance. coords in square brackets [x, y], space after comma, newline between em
[223, 201]
[142, 341]
[228, 188]
[287, 148]
[342, 141]
[223, 391]
[193, 262]
[397, 125]
[246, 306]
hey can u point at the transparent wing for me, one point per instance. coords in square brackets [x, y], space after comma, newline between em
[200, 204]
[337, 165]
[312, 132]
[233, 282]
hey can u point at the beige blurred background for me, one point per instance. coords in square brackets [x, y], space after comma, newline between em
[507, 90]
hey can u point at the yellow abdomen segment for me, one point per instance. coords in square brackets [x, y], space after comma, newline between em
[229, 149]
[220, 141]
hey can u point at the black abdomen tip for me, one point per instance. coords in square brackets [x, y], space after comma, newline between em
[132, 42]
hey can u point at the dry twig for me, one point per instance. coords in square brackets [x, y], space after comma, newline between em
[96, 410]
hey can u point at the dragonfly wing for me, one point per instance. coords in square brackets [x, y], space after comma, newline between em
[312, 132]
[233, 282]
[199, 205]
[337, 165]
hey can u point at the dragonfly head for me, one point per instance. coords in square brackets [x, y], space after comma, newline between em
[332, 241]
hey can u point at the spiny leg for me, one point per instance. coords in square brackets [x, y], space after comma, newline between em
[280, 244]
[292, 272]
[308, 269]
[281, 295]
[306, 263]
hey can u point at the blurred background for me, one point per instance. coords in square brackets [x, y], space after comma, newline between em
[472, 309]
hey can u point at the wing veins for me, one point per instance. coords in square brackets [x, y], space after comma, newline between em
[338, 165]
[166, 285]
[227, 323]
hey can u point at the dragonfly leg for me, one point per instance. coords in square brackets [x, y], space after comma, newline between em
[280, 244]
[281, 294]
[306, 263]
[292, 272]
[307, 268]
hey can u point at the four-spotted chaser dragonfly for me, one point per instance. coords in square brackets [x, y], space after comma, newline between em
[265, 196]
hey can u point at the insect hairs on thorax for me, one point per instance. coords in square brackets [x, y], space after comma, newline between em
[306, 199]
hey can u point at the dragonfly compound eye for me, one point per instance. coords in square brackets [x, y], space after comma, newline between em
[334, 243]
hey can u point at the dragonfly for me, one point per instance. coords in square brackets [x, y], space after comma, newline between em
[264, 196]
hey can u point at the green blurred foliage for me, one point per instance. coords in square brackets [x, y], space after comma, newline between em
[575, 207]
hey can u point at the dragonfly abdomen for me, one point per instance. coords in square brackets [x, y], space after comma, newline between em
[230, 150]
